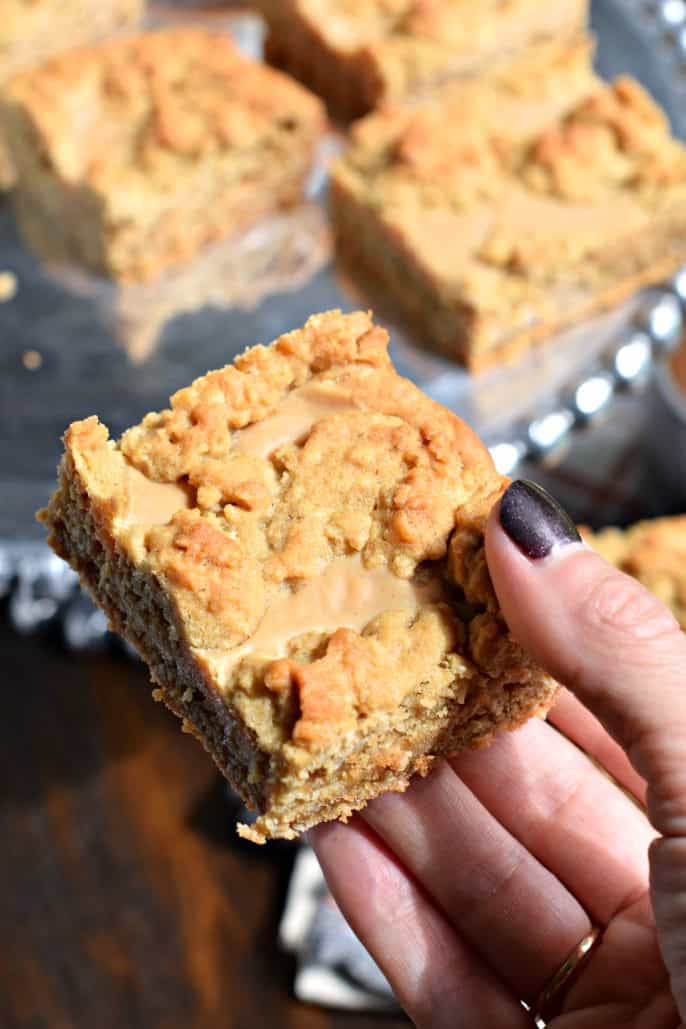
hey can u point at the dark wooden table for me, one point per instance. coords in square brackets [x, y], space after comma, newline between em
[127, 901]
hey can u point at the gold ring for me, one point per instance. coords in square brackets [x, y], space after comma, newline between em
[569, 969]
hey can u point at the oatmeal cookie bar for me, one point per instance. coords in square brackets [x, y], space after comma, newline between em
[654, 552]
[133, 154]
[32, 30]
[295, 547]
[360, 53]
[491, 237]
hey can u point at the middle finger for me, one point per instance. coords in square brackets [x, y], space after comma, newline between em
[581, 727]
[574, 819]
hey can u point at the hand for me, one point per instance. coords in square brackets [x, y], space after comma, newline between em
[472, 888]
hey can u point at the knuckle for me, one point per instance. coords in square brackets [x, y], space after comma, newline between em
[624, 605]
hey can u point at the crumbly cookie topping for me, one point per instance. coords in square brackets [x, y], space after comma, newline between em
[616, 139]
[501, 199]
[135, 102]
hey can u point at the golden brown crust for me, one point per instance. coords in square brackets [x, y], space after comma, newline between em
[654, 552]
[358, 55]
[166, 120]
[376, 504]
[496, 241]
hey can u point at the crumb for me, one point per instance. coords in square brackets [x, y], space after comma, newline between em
[32, 360]
[9, 284]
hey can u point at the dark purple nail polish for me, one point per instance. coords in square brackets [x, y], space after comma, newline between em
[534, 520]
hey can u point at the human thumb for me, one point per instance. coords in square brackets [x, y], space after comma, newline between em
[615, 646]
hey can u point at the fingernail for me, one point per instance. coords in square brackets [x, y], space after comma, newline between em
[534, 520]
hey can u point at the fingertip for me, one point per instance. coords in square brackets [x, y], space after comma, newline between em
[527, 533]
[534, 520]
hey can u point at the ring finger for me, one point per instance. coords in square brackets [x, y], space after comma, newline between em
[563, 810]
[436, 976]
[503, 902]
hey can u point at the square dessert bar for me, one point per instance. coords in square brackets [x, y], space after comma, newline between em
[360, 53]
[489, 237]
[133, 154]
[295, 547]
[654, 552]
[31, 30]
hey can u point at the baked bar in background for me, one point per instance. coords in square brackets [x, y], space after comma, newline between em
[280, 255]
[32, 30]
[490, 230]
[295, 547]
[134, 153]
[654, 552]
[358, 54]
